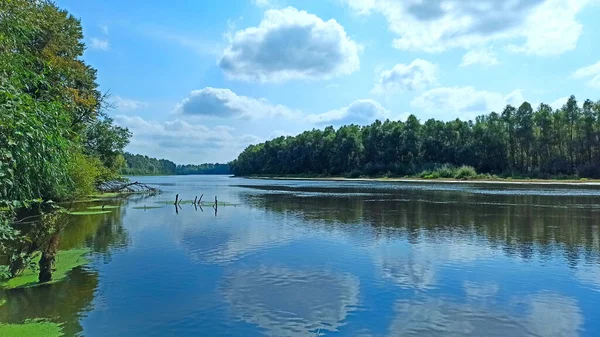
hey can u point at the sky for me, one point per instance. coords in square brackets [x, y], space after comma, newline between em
[198, 81]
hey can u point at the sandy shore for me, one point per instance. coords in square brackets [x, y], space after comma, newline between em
[453, 181]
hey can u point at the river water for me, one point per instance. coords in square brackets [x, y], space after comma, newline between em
[307, 258]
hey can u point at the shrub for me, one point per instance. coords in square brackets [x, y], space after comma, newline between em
[85, 171]
[446, 171]
[465, 173]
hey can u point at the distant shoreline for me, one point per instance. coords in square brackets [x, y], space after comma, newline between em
[441, 180]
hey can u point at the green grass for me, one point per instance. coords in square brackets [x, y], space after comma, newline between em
[103, 207]
[32, 328]
[89, 212]
[66, 260]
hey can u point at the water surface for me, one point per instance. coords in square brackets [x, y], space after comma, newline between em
[301, 258]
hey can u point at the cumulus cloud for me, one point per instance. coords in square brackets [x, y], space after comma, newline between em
[125, 104]
[592, 73]
[100, 44]
[557, 104]
[465, 102]
[482, 57]
[183, 141]
[290, 44]
[417, 75]
[547, 27]
[225, 103]
[361, 111]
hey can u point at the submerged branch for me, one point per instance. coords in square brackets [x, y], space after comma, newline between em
[126, 187]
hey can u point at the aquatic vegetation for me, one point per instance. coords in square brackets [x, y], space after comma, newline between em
[32, 328]
[208, 203]
[2, 302]
[105, 195]
[103, 207]
[66, 260]
[88, 212]
[148, 207]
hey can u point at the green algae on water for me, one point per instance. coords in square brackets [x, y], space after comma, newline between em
[66, 260]
[103, 207]
[32, 328]
[105, 195]
[147, 207]
[89, 212]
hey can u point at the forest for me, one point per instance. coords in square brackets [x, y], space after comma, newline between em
[136, 164]
[516, 142]
[56, 141]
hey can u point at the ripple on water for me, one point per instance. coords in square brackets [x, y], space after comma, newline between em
[287, 302]
[547, 314]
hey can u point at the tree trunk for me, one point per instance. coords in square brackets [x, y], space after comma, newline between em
[47, 262]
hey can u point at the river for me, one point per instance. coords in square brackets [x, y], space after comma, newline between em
[332, 258]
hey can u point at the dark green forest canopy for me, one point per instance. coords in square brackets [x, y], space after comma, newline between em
[143, 165]
[519, 141]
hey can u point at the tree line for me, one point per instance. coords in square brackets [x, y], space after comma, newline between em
[56, 140]
[517, 142]
[136, 164]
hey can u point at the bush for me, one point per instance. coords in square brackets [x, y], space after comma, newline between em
[446, 171]
[465, 173]
[85, 172]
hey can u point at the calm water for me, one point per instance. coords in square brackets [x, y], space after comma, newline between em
[297, 258]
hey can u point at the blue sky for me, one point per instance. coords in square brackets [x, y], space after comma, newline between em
[198, 81]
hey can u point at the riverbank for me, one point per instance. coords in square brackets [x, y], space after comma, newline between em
[593, 182]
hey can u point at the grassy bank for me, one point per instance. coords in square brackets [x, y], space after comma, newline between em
[445, 173]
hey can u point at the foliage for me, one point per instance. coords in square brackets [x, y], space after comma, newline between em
[51, 106]
[85, 172]
[32, 328]
[465, 172]
[144, 165]
[540, 143]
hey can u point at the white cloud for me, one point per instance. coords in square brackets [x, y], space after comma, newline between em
[417, 75]
[557, 104]
[482, 56]
[465, 102]
[542, 27]
[182, 141]
[227, 104]
[125, 104]
[552, 28]
[591, 72]
[100, 44]
[290, 44]
[361, 111]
